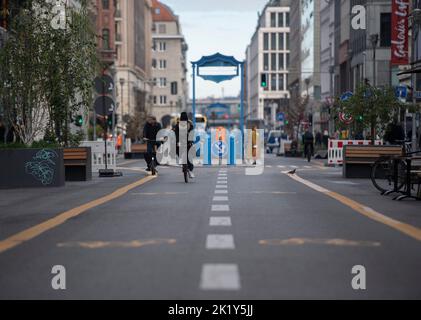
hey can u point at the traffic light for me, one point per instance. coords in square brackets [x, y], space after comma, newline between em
[110, 120]
[79, 121]
[263, 80]
[360, 118]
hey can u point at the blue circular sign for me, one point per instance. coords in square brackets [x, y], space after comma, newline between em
[219, 149]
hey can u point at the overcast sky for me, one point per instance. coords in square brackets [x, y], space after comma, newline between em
[211, 26]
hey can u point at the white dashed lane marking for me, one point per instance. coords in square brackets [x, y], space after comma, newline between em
[221, 186]
[222, 182]
[220, 207]
[221, 191]
[220, 221]
[220, 198]
[220, 241]
[220, 277]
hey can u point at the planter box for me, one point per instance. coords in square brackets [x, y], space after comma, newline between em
[31, 168]
[78, 164]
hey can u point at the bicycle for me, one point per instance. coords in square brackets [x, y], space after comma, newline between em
[389, 173]
[153, 162]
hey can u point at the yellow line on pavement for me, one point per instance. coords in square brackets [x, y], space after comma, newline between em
[38, 229]
[405, 228]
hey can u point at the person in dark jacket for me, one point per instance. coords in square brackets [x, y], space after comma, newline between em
[150, 131]
[308, 141]
[184, 118]
[394, 133]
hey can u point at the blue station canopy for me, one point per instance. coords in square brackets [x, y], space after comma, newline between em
[217, 60]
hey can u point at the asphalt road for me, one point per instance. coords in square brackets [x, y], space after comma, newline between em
[226, 235]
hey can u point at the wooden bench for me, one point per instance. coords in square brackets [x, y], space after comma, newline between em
[137, 151]
[77, 164]
[358, 159]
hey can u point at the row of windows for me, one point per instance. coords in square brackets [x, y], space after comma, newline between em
[161, 65]
[278, 41]
[277, 81]
[278, 61]
[159, 46]
[162, 100]
[279, 19]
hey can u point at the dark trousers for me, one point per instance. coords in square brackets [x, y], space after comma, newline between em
[150, 153]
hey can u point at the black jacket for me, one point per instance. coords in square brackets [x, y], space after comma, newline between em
[150, 131]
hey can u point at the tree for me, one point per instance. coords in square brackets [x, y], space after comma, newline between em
[48, 72]
[371, 108]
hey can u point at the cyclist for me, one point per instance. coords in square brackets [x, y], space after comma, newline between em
[308, 141]
[184, 117]
[150, 131]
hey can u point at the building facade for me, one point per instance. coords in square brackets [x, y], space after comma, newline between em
[106, 30]
[268, 60]
[169, 63]
[133, 40]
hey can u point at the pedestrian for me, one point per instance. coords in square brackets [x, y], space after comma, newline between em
[254, 144]
[318, 138]
[184, 118]
[395, 133]
[325, 138]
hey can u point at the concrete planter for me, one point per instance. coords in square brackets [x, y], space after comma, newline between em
[31, 168]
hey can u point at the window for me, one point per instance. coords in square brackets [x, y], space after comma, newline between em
[287, 61]
[174, 88]
[157, 11]
[385, 30]
[286, 19]
[273, 82]
[162, 28]
[154, 63]
[281, 63]
[281, 42]
[105, 4]
[266, 41]
[162, 64]
[106, 39]
[154, 45]
[154, 99]
[162, 82]
[273, 62]
[287, 40]
[273, 19]
[273, 41]
[281, 82]
[266, 61]
[162, 46]
[163, 99]
[280, 19]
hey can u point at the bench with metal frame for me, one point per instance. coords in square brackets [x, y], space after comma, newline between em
[358, 159]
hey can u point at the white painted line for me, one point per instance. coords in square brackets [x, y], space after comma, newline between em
[221, 186]
[220, 207]
[295, 167]
[308, 167]
[222, 178]
[220, 198]
[221, 191]
[222, 182]
[220, 241]
[268, 166]
[222, 175]
[220, 221]
[220, 277]
[281, 166]
[223, 171]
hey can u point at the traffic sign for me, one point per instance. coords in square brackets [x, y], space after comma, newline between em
[281, 116]
[346, 96]
[401, 92]
[104, 105]
[219, 149]
[345, 118]
[104, 84]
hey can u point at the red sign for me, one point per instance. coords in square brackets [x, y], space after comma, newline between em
[400, 13]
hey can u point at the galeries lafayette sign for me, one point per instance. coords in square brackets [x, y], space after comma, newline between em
[400, 13]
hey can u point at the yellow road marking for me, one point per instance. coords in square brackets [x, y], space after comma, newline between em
[332, 242]
[114, 244]
[38, 229]
[405, 228]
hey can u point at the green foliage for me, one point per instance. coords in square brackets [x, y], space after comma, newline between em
[371, 108]
[49, 72]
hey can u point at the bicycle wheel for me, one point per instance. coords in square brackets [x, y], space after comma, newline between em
[382, 175]
[186, 174]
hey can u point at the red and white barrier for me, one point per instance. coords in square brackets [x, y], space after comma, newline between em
[335, 148]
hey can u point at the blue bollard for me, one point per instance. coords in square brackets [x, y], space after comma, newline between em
[232, 150]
